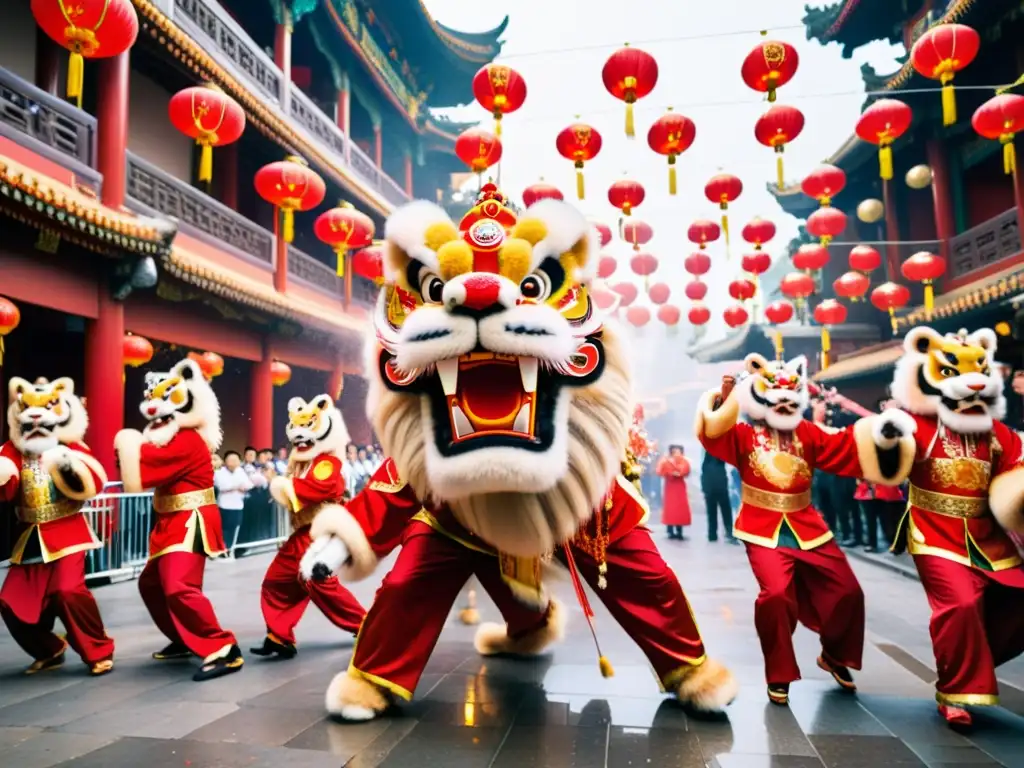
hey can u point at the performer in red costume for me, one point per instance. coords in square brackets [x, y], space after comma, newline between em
[803, 574]
[314, 483]
[966, 483]
[172, 455]
[504, 405]
[48, 473]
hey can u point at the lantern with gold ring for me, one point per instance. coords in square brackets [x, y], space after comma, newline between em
[500, 90]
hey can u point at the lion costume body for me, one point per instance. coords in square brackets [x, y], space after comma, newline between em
[49, 473]
[172, 456]
[966, 487]
[802, 573]
[317, 433]
[504, 406]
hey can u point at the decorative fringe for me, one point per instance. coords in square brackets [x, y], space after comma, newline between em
[288, 224]
[630, 128]
[778, 346]
[826, 347]
[606, 667]
[588, 611]
[672, 174]
[206, 163]
[771, 95]
[892, 319]
[948, 104]
[780, 169]
[885, 161]
[340, 253]
[1009, 155]
[929, 297]
[76, 77]
[579, 180]
[725, 232]
[497, 125]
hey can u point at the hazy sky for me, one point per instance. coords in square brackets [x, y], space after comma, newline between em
[560, 51]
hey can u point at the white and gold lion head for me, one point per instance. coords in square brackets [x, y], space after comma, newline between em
[774, 392]
[953, 377]
[494, 386]
[44, 414]
[314, 428]
[180, 399]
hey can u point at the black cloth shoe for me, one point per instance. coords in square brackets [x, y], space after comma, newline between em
[274, 647]
[218, 667]
[839, 673]
[172, 652]
[46, 665]
[778, 693]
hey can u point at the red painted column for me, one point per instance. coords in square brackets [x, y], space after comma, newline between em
[104, 382]
[408, 174]
[1018, 197]
[283, 56]
[261, 401]
[344, 110]
[378, 140]
[944, 226]
[227, 175]
[892, 232]
[47, 63]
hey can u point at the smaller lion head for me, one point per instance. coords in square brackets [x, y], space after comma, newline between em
[952, 377]
[314, 428]
[44, 414]
[180, 399]
[774, 392]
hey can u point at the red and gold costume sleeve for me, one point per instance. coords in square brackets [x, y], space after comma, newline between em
[10, 470]
[82, 478]
[148, 465]
[830, 450]
[322, 482]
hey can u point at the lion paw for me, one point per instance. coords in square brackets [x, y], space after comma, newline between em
[354, 699]
[708, 687]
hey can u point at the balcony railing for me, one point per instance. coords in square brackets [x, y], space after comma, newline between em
[307, 114]
[156, 192]
[45, 124]
[313, 272]
[986, 244]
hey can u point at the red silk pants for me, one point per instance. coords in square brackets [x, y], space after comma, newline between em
[172, 589]
[977, 624]
[34, 596]
[815, 587]
[285, 594]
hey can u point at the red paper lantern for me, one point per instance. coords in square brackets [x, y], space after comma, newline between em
[637, 232]
[770, 65]
[630, 74]
[669, 315]
[541, 191]
[579, 143]
[735, 316]
[368, 263]
[291, 186]
[344, 229]
[810, 257]
[606, 267]
[797, 285]
[211, 117]
[830, 312]
[826, 224]
[10, 317]
[824, 183]
[925, 268]
[478, 149]
[756, 263]
[500, 90]
[758, 232]
[671, 135]
[724, 189]
[702, 232]
[1001, 118]
[210, 363]
[864, 258]
[638, 316]
[742, 290]
[779, 312]
[889, 297]
[939, 54]
[626, 195]
[882, 123]
[89, 29]
[136, 350]
[659, 293]
[777, 127]
[698, 314]
[852, 286]
[697, 263]
[604, 231]
[696, 290]
[280, 373]
[627, 293]
[605, 300]
[643, 264]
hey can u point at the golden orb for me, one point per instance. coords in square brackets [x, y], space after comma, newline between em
[871, 210]
[919, 177]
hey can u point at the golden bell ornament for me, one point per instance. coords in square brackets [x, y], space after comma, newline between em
[871, 210]
[919, 177]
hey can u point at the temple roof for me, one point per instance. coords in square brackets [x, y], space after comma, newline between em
[853, 23]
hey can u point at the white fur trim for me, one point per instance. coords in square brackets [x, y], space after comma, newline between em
[335, 520]
[406, 227]
[282, 490]
[712, 423]
[903, 422]
[492, 638]
[1006, 499]
[565, 227]
[709, 687]
[868, 439]
[329, 551]
[128, 446]
[8, 469]
[353, 698]
[61, 459]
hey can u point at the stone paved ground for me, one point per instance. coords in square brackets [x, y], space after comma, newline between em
[471, 713]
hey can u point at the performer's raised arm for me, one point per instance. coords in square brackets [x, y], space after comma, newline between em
[718, 426]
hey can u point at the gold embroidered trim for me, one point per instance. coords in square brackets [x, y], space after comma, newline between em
[47, 513]
[964, 507]
[967, 474]
[180, 502]
[777, 502]
[969, 699]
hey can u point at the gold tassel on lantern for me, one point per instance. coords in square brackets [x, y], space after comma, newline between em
[206, 162]
[778, 346]
[497, 125]
[76, 77]
[885, 161]
[929, 297]
[826, 347]
[1009, 154]
[579, 179]
[892, 319]
[671, 174]
[340, 253]
[725, 230]
[630, 97]
[287, 224]
[948, 100]
[780, 170]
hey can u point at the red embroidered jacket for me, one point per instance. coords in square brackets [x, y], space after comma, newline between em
[320, 482]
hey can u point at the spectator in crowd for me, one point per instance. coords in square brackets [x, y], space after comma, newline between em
[354, 471]
[675, 513]
[281, 461]
[714, 484]
[248, 458]
[218, 462]
[257, 500]
[373, 458]
[266, 461]
[364, 458]
[232, 483]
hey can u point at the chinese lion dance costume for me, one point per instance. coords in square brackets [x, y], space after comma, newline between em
[802, 573]
[48, 473]
[504, 405]
[172, 455]
[966, 491]
[318, 436]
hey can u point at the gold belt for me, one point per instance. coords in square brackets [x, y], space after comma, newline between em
[47, 513]
[946, 504]
[777, 502]
[165, 504]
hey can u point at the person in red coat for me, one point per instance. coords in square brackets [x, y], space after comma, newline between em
[48, 473]
[675, 513]
[314, 484]
[172, 455]
[803, 574]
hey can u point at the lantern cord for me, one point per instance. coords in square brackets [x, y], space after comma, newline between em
[948, 105]
[76, 77]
